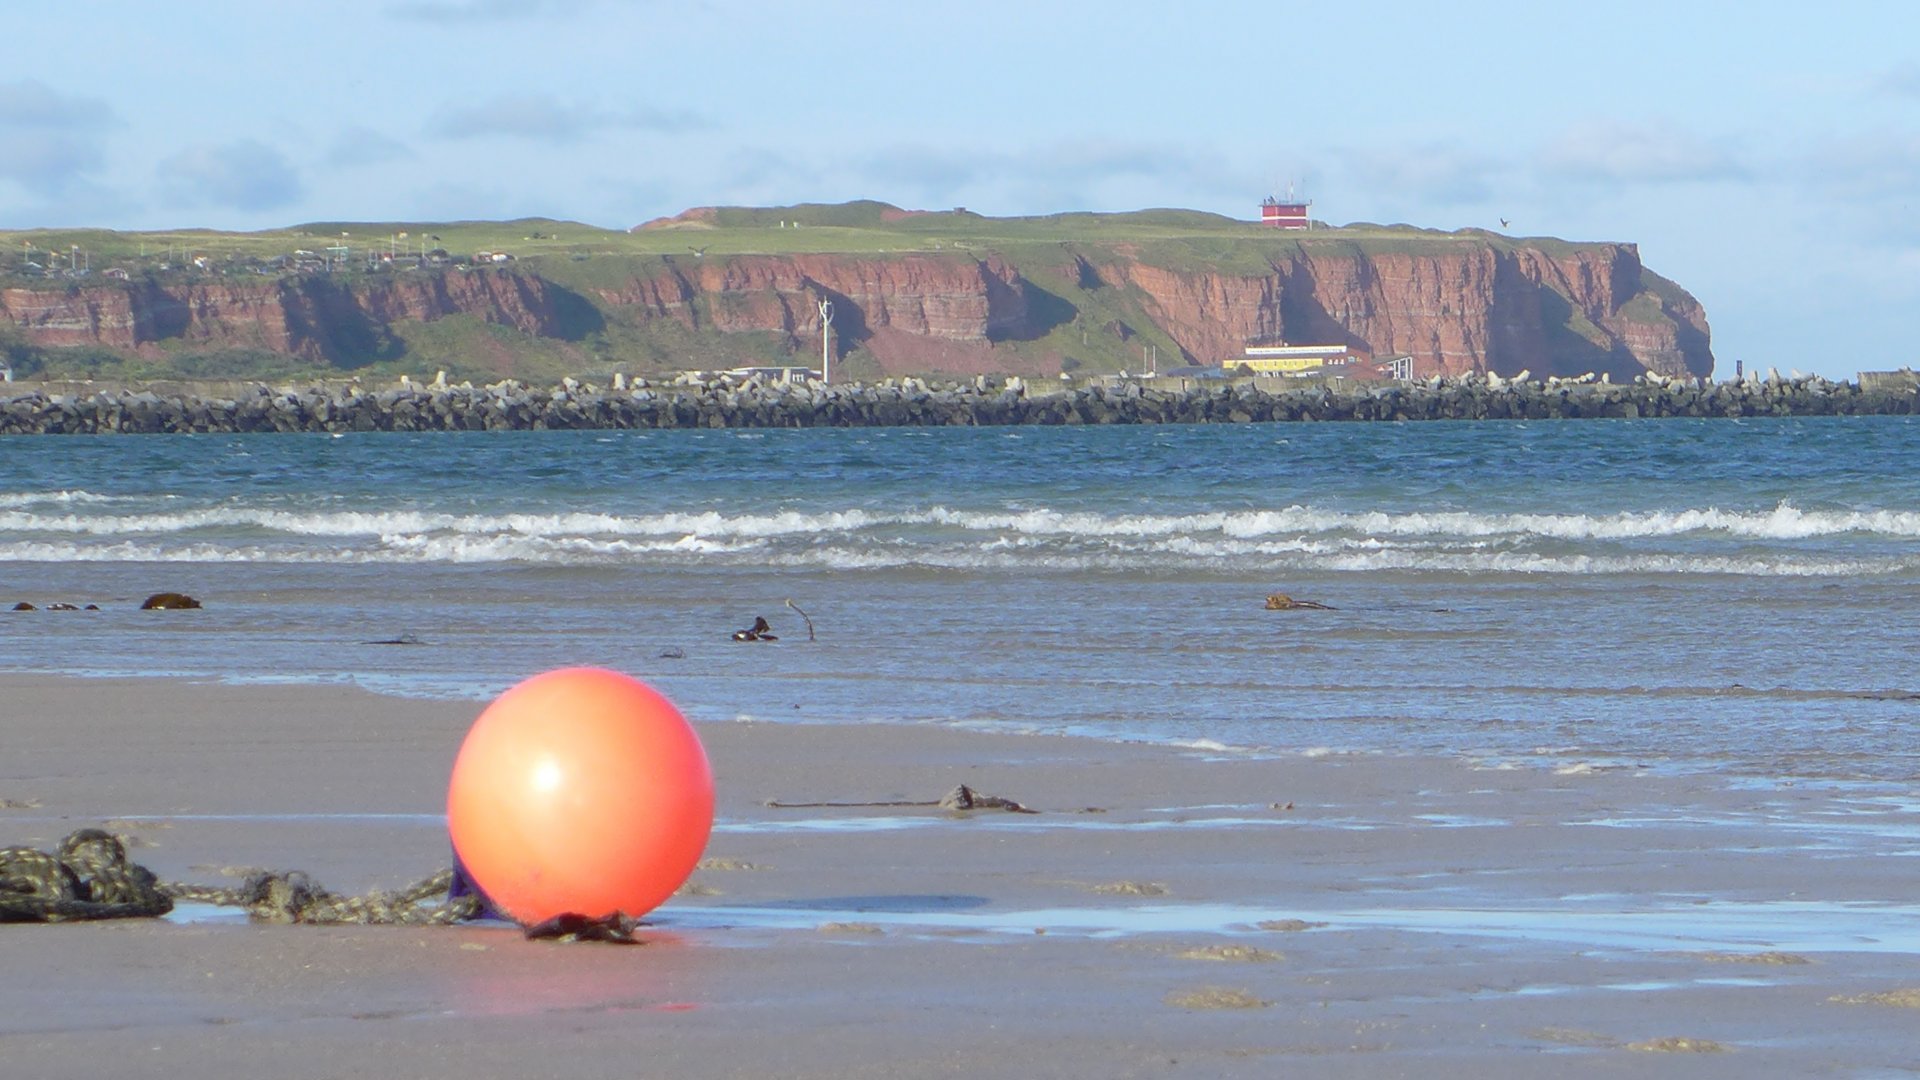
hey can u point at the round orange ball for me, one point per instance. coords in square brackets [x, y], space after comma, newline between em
[580, 791]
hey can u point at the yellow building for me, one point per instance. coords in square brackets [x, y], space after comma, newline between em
[1294, 359]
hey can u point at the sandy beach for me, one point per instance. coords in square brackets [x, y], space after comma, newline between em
[1168, 912]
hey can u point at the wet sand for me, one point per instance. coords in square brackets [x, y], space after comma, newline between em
[1169, 912]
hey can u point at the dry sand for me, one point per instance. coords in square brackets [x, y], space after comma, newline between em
[1168, 913]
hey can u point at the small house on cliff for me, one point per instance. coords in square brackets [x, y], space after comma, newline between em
[1288, 214]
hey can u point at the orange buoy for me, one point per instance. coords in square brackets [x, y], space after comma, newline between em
[580, 791]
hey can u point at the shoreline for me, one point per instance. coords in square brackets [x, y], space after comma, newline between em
[1378, 915]
[1544, 760]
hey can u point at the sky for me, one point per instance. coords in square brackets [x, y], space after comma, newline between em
[1764, 155]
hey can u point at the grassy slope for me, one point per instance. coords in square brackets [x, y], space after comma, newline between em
[582, 256]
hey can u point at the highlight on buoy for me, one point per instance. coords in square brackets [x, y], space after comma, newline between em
[580, 791]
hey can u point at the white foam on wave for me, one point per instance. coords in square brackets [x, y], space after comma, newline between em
[40, 526]
[989, 556]
[511, 548]
[392, 522]
[1209, 745]
[1782, 522]
[1293, 523]
[1002, 557]
[132, 551]
[1523, 563]
[12, 499]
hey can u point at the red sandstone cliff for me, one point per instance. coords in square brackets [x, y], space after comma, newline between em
[947, 298]
[312, 317]
[1459, 303]
[1481, 308]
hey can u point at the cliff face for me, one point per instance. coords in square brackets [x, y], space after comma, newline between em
[1482, 309]
[949, 299]
[311, 317]
[1465, 305]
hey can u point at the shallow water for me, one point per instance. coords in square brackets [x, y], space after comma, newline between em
[1713, 596]
[1730, 927]
[1719, 926]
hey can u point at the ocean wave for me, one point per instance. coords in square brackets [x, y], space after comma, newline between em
[564, 550]
[46, 526]
[992, 559]
[12, 499]
[1523, 563]
[1783, 522]
[134, 552]
[377, 523]
[992, 556]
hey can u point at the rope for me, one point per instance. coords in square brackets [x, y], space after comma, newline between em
[90, 878]
[294, 897]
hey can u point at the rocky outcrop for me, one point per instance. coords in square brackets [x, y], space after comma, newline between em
[1455, 303]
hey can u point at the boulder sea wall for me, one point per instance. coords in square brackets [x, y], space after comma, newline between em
[697, 402]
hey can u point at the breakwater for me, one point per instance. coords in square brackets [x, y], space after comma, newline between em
[693, 401]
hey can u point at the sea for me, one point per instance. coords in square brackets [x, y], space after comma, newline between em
[1729, 596]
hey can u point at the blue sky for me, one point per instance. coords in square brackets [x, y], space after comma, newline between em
[1764, 155]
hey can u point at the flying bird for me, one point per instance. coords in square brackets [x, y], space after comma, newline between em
[1504, 223]
[700, 252]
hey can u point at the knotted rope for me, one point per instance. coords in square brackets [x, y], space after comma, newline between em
[90, 878]
[293, 897]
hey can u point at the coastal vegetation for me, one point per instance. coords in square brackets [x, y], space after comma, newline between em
[1182, 238]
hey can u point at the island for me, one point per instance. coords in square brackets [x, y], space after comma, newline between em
[928, 294]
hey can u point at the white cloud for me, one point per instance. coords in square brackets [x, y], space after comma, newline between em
[1870, 185]
[363, 146]
[1432, 173]
[50, 142]
[1614, 153]
[242, 175]
[1872, 167]
[1900, 81]
[544, 118]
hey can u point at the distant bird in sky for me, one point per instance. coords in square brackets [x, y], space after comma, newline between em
[1504, 223]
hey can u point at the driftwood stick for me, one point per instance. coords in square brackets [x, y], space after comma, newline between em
[803, 615]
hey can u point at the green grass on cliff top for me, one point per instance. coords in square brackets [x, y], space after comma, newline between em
[1169, 237]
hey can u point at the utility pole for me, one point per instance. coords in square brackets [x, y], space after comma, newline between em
[826, 329]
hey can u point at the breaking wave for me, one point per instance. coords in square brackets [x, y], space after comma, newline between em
[1782, 541]
[10, 499]
[1783, 522]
